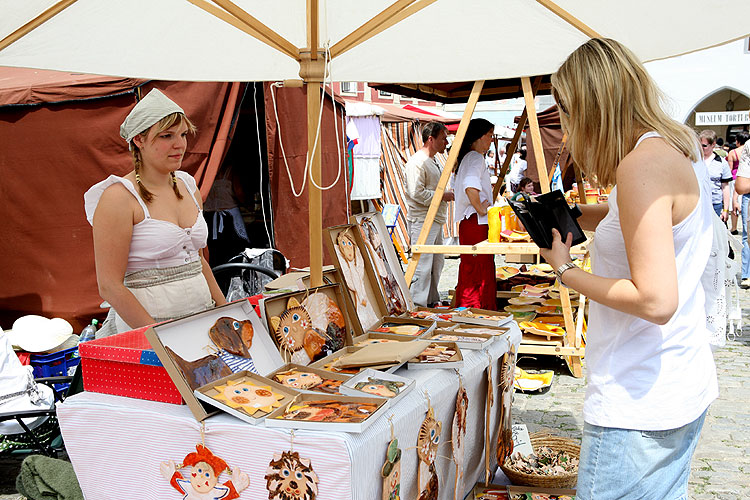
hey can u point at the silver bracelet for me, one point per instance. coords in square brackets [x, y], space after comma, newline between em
[560, 270]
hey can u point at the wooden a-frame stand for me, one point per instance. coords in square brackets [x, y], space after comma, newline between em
[570, 347]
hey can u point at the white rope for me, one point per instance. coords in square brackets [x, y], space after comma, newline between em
[260, 168]
[310, 154]
[281, 144]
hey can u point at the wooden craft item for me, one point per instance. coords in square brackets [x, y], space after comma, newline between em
[394, 298]
[391, 472]
[353, 268]
[388, 353]
[329, 411]
[232, 335]
[309, 330]
[202, 371]
[490, 401]
[365, 342]
[458, 433]
[247, 396]
[298, 379]
[204, 476]
[447, 337]
[505, 436]
[291, 477]
[400, 329]
[380, 387]
[436, 353]
[427, 446]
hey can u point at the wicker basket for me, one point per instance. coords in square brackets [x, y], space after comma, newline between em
[539, 439]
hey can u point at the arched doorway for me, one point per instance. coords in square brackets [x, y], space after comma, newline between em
[725, 111]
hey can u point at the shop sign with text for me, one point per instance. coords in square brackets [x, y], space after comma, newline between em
[721, 118]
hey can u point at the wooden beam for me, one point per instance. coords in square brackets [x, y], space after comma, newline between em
[550, 349]
[313, 27]
[509, 155]
[247, 24]
[569, 18]
[36, 22]
[393, 14]
[536, 136]
[449, 164]
[514, 143]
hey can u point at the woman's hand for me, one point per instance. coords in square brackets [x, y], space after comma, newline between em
[559, 254]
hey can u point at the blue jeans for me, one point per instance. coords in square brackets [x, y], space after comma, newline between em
[718, 207]
[745, 247]
[629, 464]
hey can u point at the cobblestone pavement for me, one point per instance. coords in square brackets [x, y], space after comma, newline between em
[721, 465]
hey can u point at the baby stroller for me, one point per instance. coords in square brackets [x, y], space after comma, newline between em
[246, 274]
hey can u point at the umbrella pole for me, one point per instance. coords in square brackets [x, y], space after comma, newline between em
[312, 72]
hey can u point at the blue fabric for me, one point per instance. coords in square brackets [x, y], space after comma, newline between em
[745, 247]
[718, 207]
[630, 464]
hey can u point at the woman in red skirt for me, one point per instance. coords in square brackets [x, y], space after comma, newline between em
[473, 189]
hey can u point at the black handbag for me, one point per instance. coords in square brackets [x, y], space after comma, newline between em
[539, 214]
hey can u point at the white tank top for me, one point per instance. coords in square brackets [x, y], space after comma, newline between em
[642, 375]
[155, 243]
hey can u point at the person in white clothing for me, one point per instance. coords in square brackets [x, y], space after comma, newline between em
[148, 226]
[517, 170]
[422, 177]
[650, 371]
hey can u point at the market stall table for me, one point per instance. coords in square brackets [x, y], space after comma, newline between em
[116, 444]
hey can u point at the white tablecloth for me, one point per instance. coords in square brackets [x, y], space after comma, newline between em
[116, 444]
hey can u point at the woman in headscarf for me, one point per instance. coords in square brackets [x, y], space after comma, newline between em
[149, 231]
[473, 190]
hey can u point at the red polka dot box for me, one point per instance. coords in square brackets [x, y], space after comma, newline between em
[126, 365]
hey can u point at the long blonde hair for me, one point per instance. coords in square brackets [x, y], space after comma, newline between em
[607, 99]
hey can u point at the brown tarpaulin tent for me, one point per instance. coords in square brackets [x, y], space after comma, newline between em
[59, 136]
[552, 134]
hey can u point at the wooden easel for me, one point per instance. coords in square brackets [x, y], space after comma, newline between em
[571, 346]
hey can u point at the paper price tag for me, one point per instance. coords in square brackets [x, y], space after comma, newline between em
[521, 440]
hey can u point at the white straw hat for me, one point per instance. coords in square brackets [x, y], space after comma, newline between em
[34, 333]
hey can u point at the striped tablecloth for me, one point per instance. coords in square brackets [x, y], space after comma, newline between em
[116, 444]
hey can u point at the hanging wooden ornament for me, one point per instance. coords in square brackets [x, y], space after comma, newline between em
[291, 477]
[505, 435]
[391, 471]
[203, 479]
[458, 433]
[427, 446]
[487, 430]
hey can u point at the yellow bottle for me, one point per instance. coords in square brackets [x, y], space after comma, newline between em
[496, 225]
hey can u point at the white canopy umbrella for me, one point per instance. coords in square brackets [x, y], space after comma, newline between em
[416, 41]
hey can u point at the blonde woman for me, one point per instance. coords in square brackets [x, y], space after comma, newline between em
[651, 375]
[149, 231]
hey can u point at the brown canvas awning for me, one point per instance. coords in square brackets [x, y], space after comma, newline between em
[458, 92]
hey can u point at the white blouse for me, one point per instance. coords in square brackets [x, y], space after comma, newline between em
[155, 243]
[472, 173]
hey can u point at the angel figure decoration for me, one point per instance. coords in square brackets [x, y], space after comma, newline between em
[394, 296]
[353, 268]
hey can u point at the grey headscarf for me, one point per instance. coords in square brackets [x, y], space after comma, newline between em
[147, 112]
